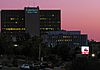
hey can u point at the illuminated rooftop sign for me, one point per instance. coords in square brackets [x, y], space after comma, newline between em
[31, 10]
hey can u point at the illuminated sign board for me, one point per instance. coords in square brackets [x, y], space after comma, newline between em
[85, 50]
[32, 10]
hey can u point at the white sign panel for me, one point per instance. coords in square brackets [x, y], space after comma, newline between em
[85, 50]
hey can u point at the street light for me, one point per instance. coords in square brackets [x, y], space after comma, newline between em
[39, 52]
[15, 45]
[93, 55]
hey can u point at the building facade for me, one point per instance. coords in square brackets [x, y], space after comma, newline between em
[12, 22]
[68, 38]
[50, 20]
[30, 20]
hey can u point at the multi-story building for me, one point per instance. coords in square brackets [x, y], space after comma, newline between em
[34, 21]
[30, 20]
[68, 38]
[50, 20]
[14, 22]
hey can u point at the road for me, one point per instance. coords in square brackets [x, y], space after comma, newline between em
[15, 68]
[80, 64]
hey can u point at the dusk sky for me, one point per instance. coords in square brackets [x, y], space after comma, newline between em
[81, 15]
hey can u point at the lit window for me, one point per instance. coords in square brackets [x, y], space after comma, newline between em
[53, 15]
[66, 36]
[14, 28]
[43, 18]
[12, 18]
[77, 43]
[16, 22]
[22, 18]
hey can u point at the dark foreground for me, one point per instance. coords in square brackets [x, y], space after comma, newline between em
[75, 64]
[86, 64]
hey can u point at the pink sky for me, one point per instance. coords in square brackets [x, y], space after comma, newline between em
[81, 15]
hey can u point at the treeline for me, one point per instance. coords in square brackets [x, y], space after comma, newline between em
[32, 46]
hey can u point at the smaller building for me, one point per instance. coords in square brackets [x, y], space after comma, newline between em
[69, 38]
[94, 48]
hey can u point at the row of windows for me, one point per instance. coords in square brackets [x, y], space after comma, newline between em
[51, 20]
[49, 15]
[13, 28]
[16, 25]
[49, 26]
[40, 18]
[13, 22]
[64, 40]
[74, 37]
[58, 36]
[43, 18]
[49, 23]
[16, 18]
[9, 32]
[67, 36]
[47, 19]
[46, 28]
[76, 43]
[13, 19]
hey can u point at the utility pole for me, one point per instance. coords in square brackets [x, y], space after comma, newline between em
[39, 53]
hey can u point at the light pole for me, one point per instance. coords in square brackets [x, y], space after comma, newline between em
[39, 52]
[15, 45]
